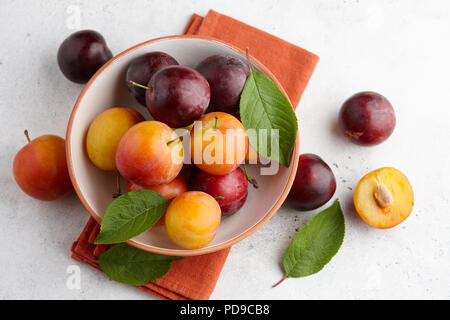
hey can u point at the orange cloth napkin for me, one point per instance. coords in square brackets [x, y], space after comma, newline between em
[195, 277]
[192, 278]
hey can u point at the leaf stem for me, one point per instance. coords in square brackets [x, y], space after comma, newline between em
[139, 85]
[282, 279]
[250, 179]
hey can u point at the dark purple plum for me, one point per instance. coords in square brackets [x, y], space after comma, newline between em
[314, 184]
[232, 188]
[82, 54]
[177, 96]
[141, 70]
[226, 76]
[367, 118]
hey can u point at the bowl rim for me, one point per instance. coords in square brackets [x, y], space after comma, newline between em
[181, 252]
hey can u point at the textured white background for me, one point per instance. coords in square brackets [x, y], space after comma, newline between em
[398, 48]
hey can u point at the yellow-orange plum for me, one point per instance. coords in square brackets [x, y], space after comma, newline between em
[40, 168]
[192, 219]
[168, 190]
[150, 154]
[104, 135]
[218, 143]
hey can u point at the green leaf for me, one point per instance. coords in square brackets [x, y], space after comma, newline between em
[131, 214]
[264, 106]
[126, 264]
[315, 244]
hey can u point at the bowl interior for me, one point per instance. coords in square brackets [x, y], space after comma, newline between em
[108, 89]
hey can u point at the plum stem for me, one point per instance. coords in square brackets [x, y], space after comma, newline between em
[139, 85]
[27, 135]
[215, 123]
[118, 193]
[177, 138]
[247, 54]
[250, 179]
[282, 279]
[218, 197]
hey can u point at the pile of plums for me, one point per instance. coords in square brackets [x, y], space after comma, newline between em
[149, 154]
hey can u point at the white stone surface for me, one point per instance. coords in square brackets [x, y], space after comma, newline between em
[398, 48]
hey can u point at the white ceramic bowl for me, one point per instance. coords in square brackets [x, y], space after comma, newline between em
[94, 187]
